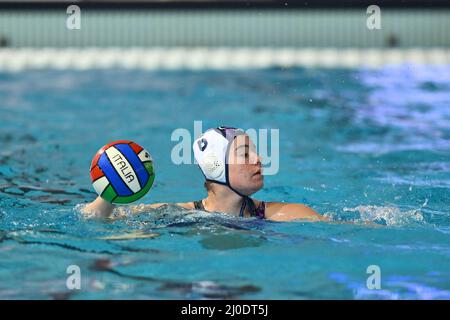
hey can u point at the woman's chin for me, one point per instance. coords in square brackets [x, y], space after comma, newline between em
[252, 186]
[259, 178]
[257, 184]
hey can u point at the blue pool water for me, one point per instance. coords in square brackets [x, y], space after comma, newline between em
[357, 145]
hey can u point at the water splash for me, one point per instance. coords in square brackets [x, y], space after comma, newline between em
[387, 215]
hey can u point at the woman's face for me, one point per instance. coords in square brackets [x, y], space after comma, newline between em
[244, 166]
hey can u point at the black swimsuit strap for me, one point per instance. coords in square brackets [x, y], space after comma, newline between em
[198, 205]
[259, 211]
[254, 211]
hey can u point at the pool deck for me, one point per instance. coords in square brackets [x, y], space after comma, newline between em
[254, 28]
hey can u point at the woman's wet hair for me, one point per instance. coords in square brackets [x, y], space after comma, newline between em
[208, 185]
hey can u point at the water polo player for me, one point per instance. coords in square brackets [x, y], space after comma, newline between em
[233, 172]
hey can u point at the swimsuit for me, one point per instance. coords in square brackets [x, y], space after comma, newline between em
[258, 212]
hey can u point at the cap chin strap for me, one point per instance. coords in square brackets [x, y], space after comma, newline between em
[235, 191]
[227, 184]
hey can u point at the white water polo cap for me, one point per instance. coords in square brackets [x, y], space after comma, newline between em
[211, 152]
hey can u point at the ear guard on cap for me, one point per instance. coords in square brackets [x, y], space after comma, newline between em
[213, 166]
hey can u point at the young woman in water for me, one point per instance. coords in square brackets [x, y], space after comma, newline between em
[233, 172]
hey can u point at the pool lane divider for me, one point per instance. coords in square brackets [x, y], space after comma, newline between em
[18, 59]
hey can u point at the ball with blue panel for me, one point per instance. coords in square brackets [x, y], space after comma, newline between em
[122, 172]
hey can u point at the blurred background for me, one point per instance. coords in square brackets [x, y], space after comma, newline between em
[360, 96]
[220, 24]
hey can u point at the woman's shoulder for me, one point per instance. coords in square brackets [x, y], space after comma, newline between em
[283, 211]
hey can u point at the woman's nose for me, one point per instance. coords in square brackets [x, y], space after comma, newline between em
[259, 160]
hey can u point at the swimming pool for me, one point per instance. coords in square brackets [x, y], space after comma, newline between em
[357, 144]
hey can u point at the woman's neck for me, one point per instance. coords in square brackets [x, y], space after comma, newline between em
[223, 199]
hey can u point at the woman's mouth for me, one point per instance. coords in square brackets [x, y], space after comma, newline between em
[259, 172]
